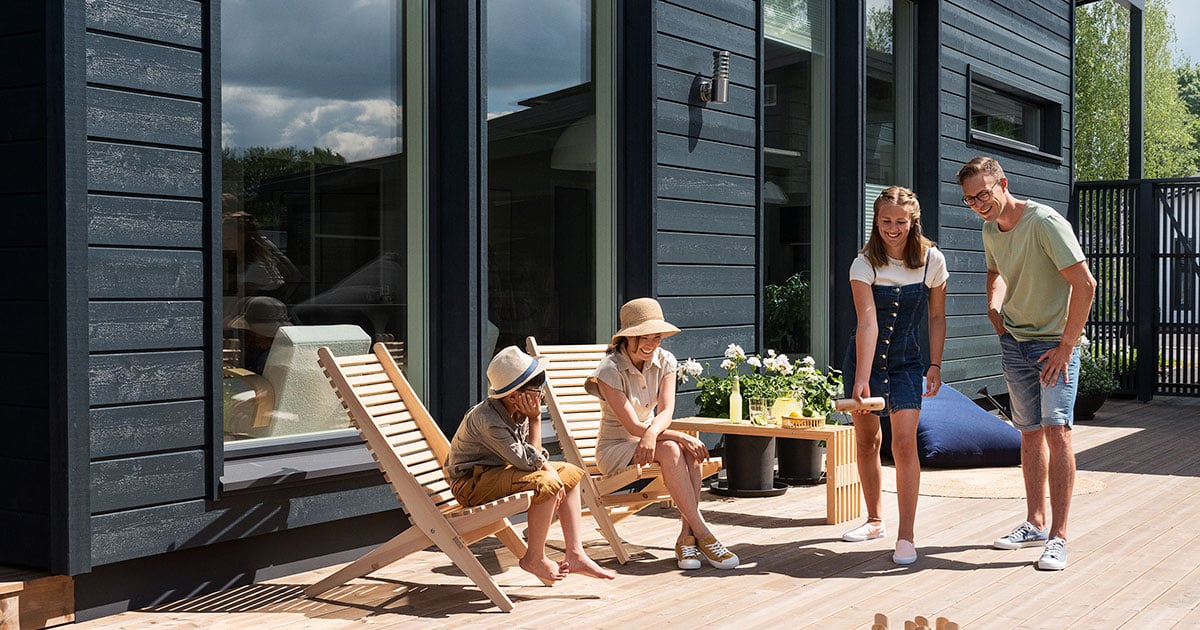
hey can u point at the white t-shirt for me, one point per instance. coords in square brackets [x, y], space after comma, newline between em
[895, 274]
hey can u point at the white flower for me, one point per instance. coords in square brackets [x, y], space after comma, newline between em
[809, 361]
[688, 368]
[785, 368]
[728, 365]
[783, 359]
[770, 353]
[754, 362]
[735, 352]
[771, 363]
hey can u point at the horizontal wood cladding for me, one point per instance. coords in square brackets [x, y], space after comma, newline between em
[139, 221]
[171, 21]
[143, 66]
[26, 537]
[144, 273]
[146, 377]
[127, 430]
[134, 117]
[674, 247]
[32, 67]
[23, 110]
[26, 432]
[24, 167]
[706, 124]
[26, 327]
[683, 87]
[697, 311]
[159, 529]
[697, 58]
[719, 157]
[121, 484]
[692, 185]
[680, 215]
[733, 31]
[676, 280]
[24, 276]
[25, 220]
[709, 343]
[968, 347]
[145, 325]
[126, 168]
[22, 17]
[24, 485]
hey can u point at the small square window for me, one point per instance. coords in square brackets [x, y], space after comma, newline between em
[1007, 117]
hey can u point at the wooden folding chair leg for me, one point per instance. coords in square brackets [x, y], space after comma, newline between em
[409, 541]
[591, 500]
[465, 560]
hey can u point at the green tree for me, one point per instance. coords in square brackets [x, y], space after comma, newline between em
[1102, 96]
[1188, 79]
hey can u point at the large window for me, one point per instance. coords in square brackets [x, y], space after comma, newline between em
[542, 165]
[795, 158]
[888, 135]
[313, 210]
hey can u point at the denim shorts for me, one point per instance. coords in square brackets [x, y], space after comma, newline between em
[1033, 405]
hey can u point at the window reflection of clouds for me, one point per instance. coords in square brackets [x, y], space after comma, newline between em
[535, 47]
[310, 73]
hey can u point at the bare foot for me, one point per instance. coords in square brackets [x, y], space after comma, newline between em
[544, 568]
[583, 565]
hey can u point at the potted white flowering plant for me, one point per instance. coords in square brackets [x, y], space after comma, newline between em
[772, 377]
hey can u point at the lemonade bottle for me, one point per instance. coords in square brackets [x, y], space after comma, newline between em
[735, 402]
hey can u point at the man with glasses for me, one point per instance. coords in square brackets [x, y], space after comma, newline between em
[1039, 292]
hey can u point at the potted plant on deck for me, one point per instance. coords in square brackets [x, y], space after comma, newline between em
[1096, 381]
[772, 377]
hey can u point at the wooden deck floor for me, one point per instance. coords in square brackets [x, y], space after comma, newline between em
[1134, 562]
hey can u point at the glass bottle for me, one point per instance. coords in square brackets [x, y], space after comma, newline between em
[735, 402]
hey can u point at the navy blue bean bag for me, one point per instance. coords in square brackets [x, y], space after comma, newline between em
[954, 432]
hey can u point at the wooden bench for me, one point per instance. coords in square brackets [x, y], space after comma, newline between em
[29, 599]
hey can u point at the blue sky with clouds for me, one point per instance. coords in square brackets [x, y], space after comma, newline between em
[1186, 14]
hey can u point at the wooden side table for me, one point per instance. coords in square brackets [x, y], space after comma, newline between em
[843, 489]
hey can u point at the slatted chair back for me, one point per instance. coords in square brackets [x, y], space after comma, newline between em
[401, 435]
[410, 448]
[574, 412]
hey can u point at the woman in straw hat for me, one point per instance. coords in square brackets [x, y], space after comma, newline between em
[497, 451]
[635, 378]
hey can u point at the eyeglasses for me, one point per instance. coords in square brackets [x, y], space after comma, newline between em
[534, 389]
[982, 197]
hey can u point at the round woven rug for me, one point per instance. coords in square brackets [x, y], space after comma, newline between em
[979, 483]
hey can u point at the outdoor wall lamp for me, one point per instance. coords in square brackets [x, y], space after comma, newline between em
[716, 90]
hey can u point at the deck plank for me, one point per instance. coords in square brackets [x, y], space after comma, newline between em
[1134, 560]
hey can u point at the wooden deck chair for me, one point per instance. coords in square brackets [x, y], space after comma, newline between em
[410, 449]
[576, 416]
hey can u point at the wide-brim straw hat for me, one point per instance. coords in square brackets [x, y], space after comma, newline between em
[510, 369]
[643, 316]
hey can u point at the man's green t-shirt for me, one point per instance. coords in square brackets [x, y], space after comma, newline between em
[1030, 258]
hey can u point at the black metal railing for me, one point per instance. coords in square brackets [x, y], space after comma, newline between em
[1140, 238]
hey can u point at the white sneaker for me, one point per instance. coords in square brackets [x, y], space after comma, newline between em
[867, 531]
[906, 552]
[1023, 535]
[1054, 557]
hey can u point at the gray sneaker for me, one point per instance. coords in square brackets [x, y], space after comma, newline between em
[1054, 558]
[1024, 535]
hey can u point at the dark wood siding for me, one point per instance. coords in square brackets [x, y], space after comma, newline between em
[1034, 40]
[707, 265]
[150, 251]
[24, 416]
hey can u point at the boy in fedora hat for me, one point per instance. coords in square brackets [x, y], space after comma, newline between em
[636, 377]
[497, 451]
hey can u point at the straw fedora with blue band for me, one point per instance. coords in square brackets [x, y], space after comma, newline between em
[643, 316]
[510, 369]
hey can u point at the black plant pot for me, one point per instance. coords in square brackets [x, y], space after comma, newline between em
[1086, 405]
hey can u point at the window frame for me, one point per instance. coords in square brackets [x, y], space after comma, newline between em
[1050, 145]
